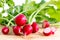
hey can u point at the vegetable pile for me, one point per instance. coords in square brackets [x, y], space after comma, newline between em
[22, 27]
[25, 18]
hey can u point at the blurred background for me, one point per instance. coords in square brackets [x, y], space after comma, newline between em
[45, 10]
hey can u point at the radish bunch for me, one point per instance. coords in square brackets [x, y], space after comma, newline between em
[21, 20]
[23, 28]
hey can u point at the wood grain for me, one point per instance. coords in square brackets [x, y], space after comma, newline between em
[33, 36]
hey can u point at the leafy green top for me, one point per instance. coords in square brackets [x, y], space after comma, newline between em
[32, 11]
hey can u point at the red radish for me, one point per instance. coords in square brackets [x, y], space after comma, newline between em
[21, 20]
[5, 30]
[35, 27]
[45, 24]
[47, 31]
[53, 29]
[27, 29]
[17, 30]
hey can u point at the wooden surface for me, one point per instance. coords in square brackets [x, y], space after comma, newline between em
[33, 36]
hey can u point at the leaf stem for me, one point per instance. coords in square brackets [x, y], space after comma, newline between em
[33, 15]
[7, 20]
[11, 15]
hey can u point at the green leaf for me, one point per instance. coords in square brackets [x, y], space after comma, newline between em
[30, 7]
[1, 4]
[10, 2]
[18, 9]
[54, 13]
[39, 19]
[0, 18]
[57, 4]
[42, 1]
[52, 20]
[10, 10]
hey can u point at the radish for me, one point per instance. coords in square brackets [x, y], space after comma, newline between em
[27, 29]
[53, 29]
[21, 20]
[17, 30]
[35, 27]
[45, 24]
[5, 30]
[47, 31]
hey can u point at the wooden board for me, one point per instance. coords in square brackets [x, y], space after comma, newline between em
[33, 36]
